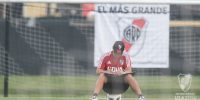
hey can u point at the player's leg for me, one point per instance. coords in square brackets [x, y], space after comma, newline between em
[99, 85]
[133, 84]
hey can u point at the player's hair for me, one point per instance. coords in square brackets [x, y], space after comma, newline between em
[118, 45]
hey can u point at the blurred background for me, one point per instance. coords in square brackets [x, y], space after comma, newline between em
[47, 50]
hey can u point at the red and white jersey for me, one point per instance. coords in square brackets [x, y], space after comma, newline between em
[110, 62]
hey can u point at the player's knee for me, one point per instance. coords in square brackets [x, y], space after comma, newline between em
[102, 77]
[128, 77]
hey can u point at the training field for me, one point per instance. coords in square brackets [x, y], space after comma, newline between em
[81, 87]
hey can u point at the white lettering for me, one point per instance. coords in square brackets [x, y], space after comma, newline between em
[114, 69]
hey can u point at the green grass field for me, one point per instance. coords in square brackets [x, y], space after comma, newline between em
[81, 87]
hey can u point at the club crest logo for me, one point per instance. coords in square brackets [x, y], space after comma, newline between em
[132, 31]
[109, 62]
[185, 81]
[121, 61]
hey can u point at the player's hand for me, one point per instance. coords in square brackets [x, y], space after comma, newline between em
[141, 97]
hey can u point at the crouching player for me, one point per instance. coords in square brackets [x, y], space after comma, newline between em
[114, 70]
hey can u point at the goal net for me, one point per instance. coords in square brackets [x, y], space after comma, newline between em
[50, 50]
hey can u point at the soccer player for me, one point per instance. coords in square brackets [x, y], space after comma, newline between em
[116, 63]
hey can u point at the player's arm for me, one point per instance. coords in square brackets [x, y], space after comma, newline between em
[127, 65]
[128, 70]
[102, 66]
[99, 71]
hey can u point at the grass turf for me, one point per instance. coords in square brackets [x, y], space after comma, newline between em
[81, 87]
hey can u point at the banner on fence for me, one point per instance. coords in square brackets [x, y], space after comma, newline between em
[144, 29]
